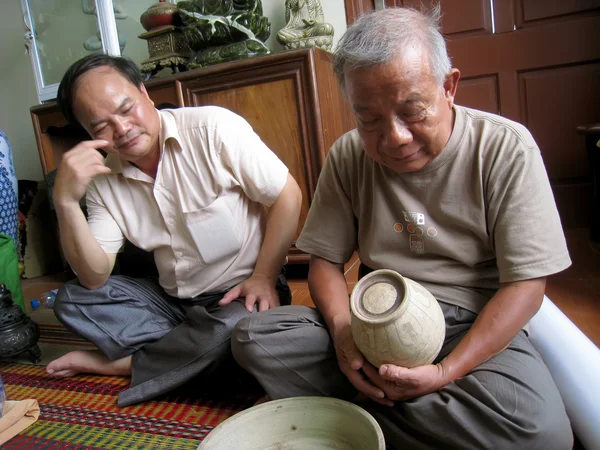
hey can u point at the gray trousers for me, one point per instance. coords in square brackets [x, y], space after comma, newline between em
[171, 340]
[508, 402]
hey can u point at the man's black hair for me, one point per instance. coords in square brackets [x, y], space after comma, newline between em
[126, 67]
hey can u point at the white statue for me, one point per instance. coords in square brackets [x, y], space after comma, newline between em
[306, 26]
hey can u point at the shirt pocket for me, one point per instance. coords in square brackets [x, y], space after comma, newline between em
[212, 230]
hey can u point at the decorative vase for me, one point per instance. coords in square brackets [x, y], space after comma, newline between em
[160, 15]
[9, 201]
[18, 333]
[395, 320]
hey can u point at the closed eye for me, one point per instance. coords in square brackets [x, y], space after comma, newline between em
[414, 115]
[100, 129]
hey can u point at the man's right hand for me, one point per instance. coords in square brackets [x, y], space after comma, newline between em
[351, 361]
[77, 168]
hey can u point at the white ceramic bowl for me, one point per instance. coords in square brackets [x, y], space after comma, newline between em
[298, 423]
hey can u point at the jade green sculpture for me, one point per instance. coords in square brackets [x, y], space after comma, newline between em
[223, 30]
[306, 26]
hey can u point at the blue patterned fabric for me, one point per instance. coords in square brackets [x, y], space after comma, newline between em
[9, 203]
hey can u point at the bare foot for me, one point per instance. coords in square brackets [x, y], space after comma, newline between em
[92, 361]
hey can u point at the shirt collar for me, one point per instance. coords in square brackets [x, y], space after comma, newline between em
[168, 130]
[168, 127]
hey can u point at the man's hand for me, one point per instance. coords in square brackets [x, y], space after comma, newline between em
[77, 168]
[257, 289]
[351, 361]
[401, 383]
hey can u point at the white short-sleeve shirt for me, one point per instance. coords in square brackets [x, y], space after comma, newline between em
[203, 216]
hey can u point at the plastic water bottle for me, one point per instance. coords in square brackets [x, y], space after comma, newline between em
[45, 301]
[2, 397]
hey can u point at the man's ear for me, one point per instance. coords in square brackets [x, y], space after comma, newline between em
[450, 85]
[145, 92]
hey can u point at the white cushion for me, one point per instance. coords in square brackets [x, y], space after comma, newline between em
[574, 362]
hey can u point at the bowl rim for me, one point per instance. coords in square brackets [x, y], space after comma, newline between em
[315, 400]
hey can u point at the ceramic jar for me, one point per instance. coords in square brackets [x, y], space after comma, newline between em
[160, 15]
[396, 320]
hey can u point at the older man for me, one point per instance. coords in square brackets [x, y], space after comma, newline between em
[453, 198]
[190, 185]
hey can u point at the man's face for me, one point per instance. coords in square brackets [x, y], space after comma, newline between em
[109, 107]
[404, 117]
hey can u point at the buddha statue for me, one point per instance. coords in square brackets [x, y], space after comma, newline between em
[223, 30]
[306, 26]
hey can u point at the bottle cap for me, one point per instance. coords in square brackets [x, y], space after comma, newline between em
[35, 304]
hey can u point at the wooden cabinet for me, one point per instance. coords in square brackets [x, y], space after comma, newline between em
[291, 99]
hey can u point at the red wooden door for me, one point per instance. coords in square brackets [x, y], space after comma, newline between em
[533, 61]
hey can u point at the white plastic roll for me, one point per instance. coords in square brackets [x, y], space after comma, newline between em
[574, 362]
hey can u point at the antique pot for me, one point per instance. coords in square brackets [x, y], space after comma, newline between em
[160, 15]
[18, 333]
[396, 320]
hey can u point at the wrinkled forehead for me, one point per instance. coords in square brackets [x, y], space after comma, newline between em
[405, 76]
[100, 81]
[408, 62]
[98, 93]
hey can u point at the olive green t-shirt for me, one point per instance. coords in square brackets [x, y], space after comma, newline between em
[481, 213]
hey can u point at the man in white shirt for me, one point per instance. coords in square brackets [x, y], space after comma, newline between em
[190, 185]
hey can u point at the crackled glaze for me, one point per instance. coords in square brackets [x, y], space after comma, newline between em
[396, 320]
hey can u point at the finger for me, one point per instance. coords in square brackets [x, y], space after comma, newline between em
[250, 301]
[263, 305]
[95, 143]
[231, 296]
[274, 303]
[97, 155]
[86, 146]
[392, 373]
[100, 170]
[364, 386]
[83, 157]
[383, 401]
[374, 377]
[354, 357]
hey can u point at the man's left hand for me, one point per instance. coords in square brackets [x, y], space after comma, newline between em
[401, 383]
[257, 289]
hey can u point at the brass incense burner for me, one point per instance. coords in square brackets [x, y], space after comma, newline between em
[18, 333]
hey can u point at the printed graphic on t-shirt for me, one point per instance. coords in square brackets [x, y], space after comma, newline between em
[417, 234]
[414, 217]
[417, 244]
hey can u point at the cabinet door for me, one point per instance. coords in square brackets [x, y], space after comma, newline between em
[54, 136]
[165, 94]
[275, 101]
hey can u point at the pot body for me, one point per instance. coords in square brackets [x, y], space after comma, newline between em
[18, 333]
[395, 320]
[160, 15]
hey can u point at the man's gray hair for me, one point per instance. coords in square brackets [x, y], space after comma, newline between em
[378, 37]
